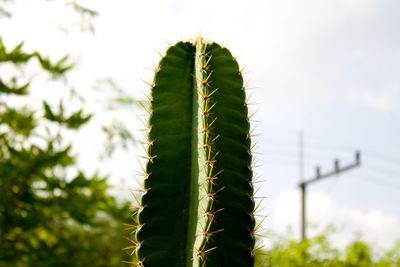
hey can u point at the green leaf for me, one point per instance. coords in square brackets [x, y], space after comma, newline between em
[74, 121]
[16, 90]
[16, 56]
[57, 69]
[21, 121]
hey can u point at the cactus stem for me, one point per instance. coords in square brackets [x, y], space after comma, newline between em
[193, 72]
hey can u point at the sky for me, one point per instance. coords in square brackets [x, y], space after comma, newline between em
[328, 69]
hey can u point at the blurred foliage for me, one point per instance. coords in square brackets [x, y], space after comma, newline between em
[319, 252]
[115, 130]
[74, 121]
[51, 212]
[17, 56]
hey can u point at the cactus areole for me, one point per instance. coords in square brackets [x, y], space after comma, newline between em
[197, 206]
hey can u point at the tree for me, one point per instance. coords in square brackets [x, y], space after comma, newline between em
[51, 212]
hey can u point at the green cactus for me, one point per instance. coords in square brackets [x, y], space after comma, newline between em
[197, 204]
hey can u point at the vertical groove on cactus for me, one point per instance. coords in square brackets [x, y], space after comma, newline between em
[198, 205]
[200, 75]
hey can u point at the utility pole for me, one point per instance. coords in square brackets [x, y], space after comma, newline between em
[301, 175]
[319, 176]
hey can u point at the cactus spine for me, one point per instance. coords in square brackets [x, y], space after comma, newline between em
[197, 206]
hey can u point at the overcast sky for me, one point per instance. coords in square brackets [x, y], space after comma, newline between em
[328, 68]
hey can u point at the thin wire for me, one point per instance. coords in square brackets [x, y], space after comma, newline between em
[378, 181]
[383, 157]
[293, 150]
[341, 147]
[379, 170]
[309, 144]
[294, 158]
[284, 160]
[330, 148]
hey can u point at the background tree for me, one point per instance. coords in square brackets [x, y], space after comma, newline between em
[52, 213]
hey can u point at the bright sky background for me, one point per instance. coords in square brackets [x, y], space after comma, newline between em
[328, 68]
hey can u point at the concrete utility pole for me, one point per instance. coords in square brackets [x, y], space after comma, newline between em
[318, 176]
[301, 175]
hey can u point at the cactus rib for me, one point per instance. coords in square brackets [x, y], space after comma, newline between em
[233, 205]
[169, 216]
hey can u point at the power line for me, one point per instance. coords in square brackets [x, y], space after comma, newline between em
[382, 156]
[291, 157]
[385, 157]
[378, 181]
[309, 160]
[309, 144]
[377, 169]
[293, 151]
[323, 148]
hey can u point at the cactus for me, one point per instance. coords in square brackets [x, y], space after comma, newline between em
[197, 207]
